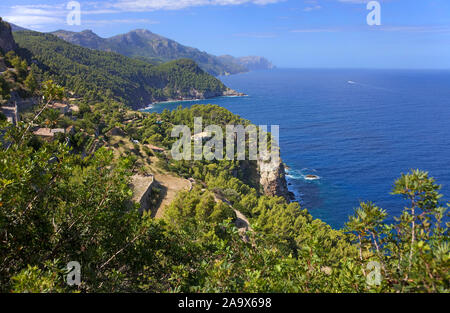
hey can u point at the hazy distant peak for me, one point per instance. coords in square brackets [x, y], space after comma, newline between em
[141, 30]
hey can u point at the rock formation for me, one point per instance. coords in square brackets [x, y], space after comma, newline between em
[272, 178]
[7, 42]
[254, 63]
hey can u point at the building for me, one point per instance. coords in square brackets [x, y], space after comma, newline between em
[50, 133]
[201, 136]
[11, 114]
[155, 148]
[44, 132]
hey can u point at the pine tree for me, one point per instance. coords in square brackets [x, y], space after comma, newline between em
[30, 82]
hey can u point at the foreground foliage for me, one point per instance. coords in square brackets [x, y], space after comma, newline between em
[57, 207]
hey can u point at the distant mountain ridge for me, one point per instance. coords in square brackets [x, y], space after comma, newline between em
[145, 45]
[252, 63]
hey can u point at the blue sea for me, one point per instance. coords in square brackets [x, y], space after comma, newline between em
[358, 130]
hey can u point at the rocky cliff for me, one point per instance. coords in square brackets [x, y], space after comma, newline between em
[7, 42]
[251, 63]
[195, 94]
[254, 63]
[272, 178]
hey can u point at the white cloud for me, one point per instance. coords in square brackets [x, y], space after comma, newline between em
[33, 21]
[36, 16]
[39, 15]
[153, 5]
[119, 21]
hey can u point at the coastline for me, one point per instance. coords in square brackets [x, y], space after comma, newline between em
[151, 105]
[272, 179]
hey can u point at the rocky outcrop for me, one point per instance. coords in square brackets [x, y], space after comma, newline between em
[7, 42]
[194, 94]
[272, 178]
[254, 63]
[250, 63]
[232, 93]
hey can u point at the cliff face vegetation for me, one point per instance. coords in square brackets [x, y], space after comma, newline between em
[18, 83]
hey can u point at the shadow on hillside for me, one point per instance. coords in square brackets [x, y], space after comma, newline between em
[162, 194]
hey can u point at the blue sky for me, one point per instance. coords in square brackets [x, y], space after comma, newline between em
[291, 33]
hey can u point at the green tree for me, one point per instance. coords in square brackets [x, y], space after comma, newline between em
[414, 252]
[5, 90]
[52, 117]
[30, 82]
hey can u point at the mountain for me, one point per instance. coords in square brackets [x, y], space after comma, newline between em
[148, 46]
[254, 63]
[96, 73]
[16, 28]
[6, 39]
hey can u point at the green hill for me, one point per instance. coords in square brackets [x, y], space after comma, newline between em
[95, 74]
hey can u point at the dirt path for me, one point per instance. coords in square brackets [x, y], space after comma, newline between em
[242, 223]
[170, 186]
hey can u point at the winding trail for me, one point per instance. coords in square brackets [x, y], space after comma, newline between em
[242, 223]
[171, 185]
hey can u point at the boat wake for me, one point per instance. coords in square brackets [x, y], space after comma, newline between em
[351, 82]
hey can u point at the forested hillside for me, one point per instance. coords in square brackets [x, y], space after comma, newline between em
[95, 74]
